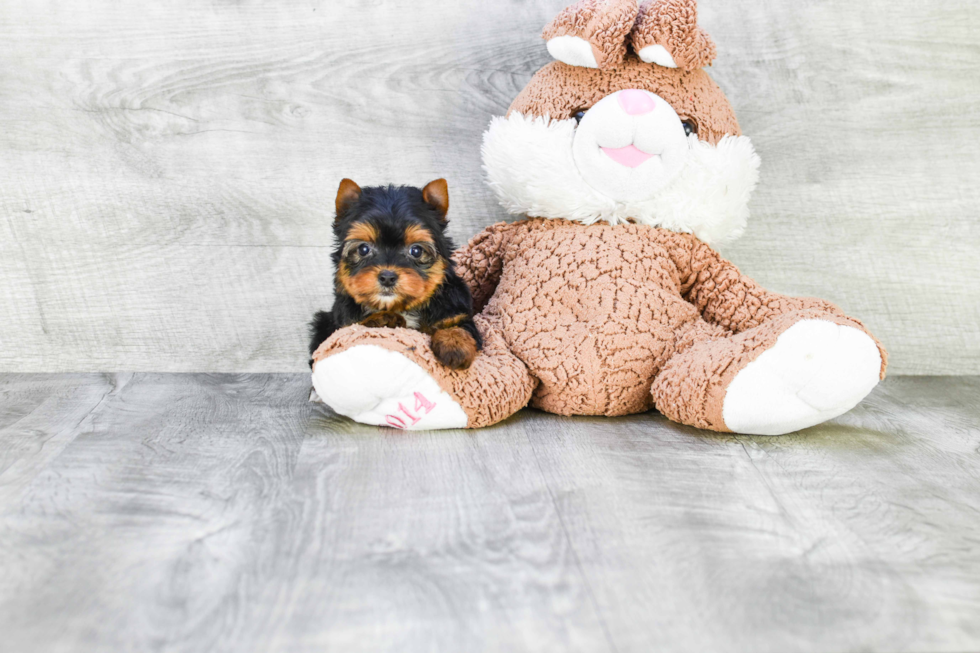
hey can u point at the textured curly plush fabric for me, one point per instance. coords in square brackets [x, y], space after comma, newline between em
[559, 90]
[603, 24]
[598, 312]
[673, 24]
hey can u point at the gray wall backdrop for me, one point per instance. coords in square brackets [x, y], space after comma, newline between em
[167, 171]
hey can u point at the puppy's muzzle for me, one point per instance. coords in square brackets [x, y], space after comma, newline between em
[387, 279]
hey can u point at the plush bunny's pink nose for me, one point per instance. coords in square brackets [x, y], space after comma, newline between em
[636, 103]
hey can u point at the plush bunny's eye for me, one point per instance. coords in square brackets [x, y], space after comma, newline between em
[689, 128]
[578, 115]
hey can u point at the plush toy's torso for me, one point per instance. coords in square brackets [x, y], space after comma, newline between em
[594, 311]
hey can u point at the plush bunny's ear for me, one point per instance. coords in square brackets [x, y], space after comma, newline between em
[667, 34]
[592, 33]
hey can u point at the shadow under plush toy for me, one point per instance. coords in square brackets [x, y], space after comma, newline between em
[608, 299]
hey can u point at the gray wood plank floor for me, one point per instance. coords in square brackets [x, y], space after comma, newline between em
[225, 513]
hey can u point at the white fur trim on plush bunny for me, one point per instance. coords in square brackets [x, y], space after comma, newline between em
[530, 165]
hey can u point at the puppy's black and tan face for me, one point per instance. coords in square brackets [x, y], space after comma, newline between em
[392, 252]
[390, 267]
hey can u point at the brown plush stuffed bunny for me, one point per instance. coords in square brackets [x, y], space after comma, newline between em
[609, 299]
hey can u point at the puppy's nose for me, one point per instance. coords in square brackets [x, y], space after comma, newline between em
[387, 278]
[636, 103]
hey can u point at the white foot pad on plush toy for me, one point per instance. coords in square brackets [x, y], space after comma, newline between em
[816, 371]
[373, 385]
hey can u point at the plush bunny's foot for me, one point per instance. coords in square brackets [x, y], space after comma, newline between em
[373, 385]
[817, 370]
[391, 377]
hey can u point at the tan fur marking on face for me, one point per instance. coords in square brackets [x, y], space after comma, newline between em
[437, 274]
[410, 292]
[361, 286]
[342, 277]
[417, 234]
[363, 231]
[410, 289]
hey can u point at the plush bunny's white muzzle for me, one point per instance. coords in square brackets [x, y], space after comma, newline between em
[558, 169]
[630, 145]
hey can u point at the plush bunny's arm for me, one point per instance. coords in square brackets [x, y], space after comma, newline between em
[481, 262]
[726, 297]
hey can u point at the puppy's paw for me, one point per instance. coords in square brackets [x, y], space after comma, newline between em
[455, 348]
[384, 320]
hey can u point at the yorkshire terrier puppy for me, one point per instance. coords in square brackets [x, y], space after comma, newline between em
[394, 269]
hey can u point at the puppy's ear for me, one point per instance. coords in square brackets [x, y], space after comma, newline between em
[347, 194]
[436, 195]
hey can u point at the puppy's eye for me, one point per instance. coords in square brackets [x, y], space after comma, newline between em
[363, 249]
[578, 115]
[689, 128]
[416, 251]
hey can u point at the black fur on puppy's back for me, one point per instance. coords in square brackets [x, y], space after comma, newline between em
[320, 329]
